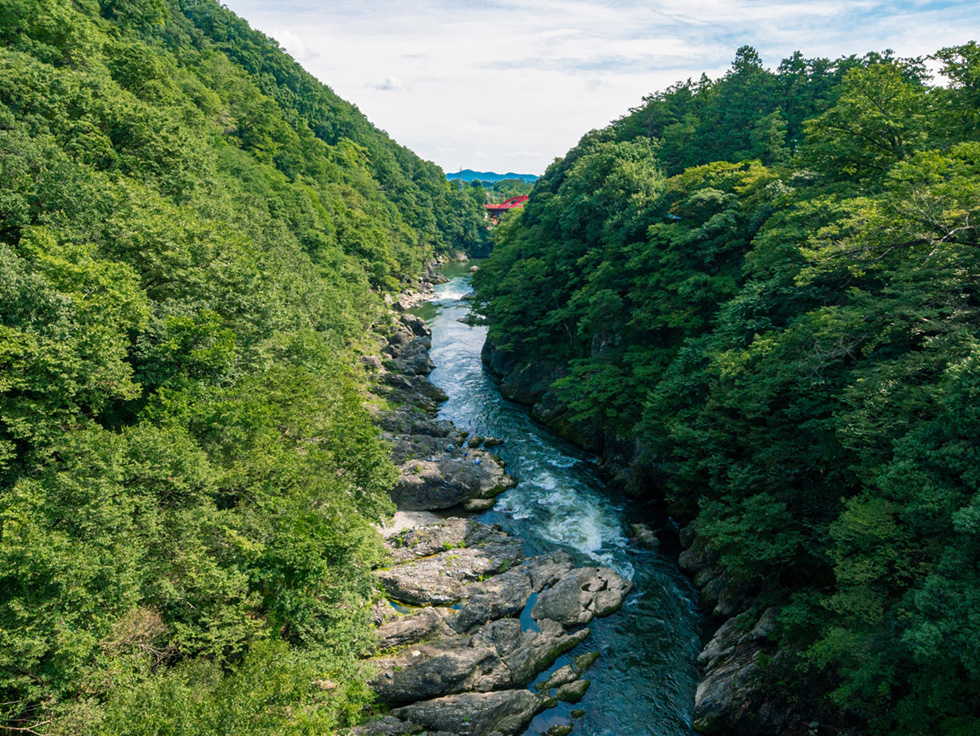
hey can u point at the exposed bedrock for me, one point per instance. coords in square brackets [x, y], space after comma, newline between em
[455, 657]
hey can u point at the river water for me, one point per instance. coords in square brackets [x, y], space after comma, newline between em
[644, 682]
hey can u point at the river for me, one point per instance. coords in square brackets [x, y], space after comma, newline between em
[644, 682]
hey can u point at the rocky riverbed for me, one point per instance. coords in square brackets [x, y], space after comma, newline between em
[440, 467]
[467, 622]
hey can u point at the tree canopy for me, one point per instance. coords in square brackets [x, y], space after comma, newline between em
[768, 284]
[195, 238]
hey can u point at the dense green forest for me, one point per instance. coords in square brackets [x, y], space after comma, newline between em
[195, 239]
[769, 283]
[503, 189]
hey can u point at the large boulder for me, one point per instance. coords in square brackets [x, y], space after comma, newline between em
[573, 691]
[585, 593]
[418, 391]
[440, 580]
[426, 445]
[410, 357]
[496, 656]
[523, 383]
[569, 673]
[724, 693]
[732, 697]
[431, 670]
[452, 533]
[436, 478]
[698, 555]
[416, 325]
[526, 653]
[424, 623]
[644, 536]
[475, 714]
[538, 650]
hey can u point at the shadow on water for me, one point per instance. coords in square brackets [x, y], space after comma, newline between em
[644, 682]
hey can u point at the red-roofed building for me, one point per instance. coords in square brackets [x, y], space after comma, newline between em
[514, 203]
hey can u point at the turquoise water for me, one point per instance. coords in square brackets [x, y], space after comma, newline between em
[645, 680]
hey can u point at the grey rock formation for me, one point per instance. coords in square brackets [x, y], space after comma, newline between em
[436, 468]
[475, 714]
[479, 505]
[573, 691]
[585, 593]
[496, 656]
[450, 666]
[583, 662]
[410, 355]
[560, 729]
[644, 536]
[440, 580]
[433, 656]
[416, 325]
[538, 650]
[451, 533]
[506, 594]
[442, 480]
[425, 623]
[725, 690]
[569, 673]
[382, 613]
[559, 677]
[732, 697]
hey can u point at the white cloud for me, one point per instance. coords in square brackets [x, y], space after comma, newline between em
[510, 85]
[390, 84]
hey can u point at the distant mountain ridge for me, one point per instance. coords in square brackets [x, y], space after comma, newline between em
[470, 175]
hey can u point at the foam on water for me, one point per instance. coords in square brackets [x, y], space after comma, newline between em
[568, 513]
[451, 291]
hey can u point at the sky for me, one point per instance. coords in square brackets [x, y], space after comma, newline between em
[509, 85]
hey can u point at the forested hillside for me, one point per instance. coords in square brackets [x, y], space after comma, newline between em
[195, 239]
[767, 284]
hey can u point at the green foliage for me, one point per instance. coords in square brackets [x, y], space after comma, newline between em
[791, 341]
[750, 113]
[276, 690]
[66, 315]
[878, 120]
[503, 189]
[194, 240]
